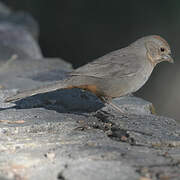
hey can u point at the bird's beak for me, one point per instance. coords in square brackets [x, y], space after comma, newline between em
[168, 58]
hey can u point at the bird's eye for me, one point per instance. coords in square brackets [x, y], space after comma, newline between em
[162, 49]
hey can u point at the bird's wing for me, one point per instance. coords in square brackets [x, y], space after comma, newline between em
[110, 65]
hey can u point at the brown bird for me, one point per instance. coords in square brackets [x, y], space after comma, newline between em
[116, 74]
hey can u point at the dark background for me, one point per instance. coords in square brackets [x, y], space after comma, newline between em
[82, 30]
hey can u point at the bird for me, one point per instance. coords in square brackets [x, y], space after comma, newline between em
[118, 73]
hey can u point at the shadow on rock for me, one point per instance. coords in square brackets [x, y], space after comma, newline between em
[62, 101]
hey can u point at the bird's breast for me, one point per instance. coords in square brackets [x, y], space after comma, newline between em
[142, 76]
[122, 86]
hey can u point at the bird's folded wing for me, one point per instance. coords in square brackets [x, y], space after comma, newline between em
[110, 65]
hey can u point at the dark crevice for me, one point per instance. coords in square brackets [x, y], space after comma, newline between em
[61, 176]
[114, 132]
[111, 129]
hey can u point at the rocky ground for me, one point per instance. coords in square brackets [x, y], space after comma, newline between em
[71, 134]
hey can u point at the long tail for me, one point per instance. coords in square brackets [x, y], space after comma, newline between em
[44, 89]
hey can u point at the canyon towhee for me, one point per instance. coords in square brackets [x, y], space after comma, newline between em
[116, 74]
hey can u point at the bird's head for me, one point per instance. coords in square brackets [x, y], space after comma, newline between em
[157, 49]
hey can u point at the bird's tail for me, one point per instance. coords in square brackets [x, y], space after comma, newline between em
[44, 89]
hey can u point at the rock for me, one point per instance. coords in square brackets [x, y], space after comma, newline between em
[25, 21]
[31, 73]
[4, 10]
[16, 41]
[18, 35]
[106, 170]
[134, 105]
[20, 18]
[99, 145]
[71, 134]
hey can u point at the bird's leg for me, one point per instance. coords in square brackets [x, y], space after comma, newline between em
[108, 100]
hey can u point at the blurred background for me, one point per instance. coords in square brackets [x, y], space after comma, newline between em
[82, 30]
